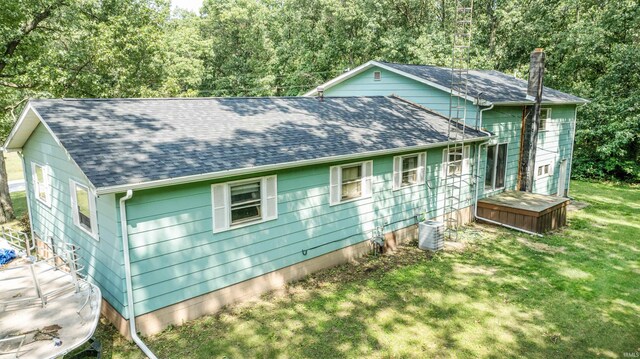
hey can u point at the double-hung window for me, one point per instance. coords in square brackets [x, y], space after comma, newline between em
[41, 183]
[545, 116]
[350, 182]
[409, 170]
[240, 203]
[456, 161]
[496, 166]
[83, 204]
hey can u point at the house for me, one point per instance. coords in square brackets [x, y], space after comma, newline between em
[194, 203]
[496, 103]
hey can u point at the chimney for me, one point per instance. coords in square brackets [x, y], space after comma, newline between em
[536, 72]
[531, 122]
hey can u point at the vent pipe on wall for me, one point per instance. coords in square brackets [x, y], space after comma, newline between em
[531, 121]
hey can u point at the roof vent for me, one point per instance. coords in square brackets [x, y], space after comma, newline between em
[377, 75]
[320, 92]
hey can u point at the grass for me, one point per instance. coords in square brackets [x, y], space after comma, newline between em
[14, 166]
[575, 293]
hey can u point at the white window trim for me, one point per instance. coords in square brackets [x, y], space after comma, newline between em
[227, 205]
[466, 158]
[366, 192]
[422, 170]
[495, 168]
[46, 173]
[92, 208]
[546, 126]
[379, 75]
[542, 164]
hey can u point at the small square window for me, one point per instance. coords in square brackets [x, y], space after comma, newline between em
[377, 76]
[544, 170]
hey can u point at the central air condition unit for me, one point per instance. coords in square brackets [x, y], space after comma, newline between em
[431, 235]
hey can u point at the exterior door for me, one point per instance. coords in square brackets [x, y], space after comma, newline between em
[562, 178]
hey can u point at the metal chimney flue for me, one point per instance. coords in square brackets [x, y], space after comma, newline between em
[320, 92]
[531, 121]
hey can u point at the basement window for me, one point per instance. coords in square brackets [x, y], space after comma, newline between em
[545, 115]
[83, 204]
[377, 76]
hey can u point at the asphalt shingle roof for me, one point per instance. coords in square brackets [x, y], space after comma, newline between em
[130, 141]
[493, 86]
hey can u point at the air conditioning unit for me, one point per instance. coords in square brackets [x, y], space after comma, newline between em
[431, 235]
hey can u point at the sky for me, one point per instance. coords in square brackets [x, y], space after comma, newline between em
[193, 5]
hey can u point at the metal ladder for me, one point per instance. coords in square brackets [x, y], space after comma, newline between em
[455, 176]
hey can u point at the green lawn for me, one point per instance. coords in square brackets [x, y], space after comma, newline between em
[14, 166]
[572, 294]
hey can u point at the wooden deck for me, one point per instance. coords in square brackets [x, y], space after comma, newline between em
[532, 212]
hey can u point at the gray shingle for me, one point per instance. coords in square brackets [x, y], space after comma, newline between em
[129, 141]
[493, 86]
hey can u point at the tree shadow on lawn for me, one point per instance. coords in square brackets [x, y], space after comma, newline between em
[498, 298]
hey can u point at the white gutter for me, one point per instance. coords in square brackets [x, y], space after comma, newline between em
[279, 166]
[573, 139]
[481, 111]
[127, 275]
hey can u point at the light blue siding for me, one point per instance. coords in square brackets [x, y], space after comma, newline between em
[506, 123]
[391, 83]
[102, 258]
[176, 256]
[554, 145]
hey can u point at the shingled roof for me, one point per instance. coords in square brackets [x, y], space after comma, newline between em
[130, 141]
[492, 87]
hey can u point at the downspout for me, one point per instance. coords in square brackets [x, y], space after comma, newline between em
[475, 205]
[28, 195]
[477, 176]
[127, 275]
[573, 140]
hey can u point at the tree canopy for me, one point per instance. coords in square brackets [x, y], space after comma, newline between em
[123, 48]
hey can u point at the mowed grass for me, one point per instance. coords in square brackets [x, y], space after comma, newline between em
[13, 166]
[572, 294]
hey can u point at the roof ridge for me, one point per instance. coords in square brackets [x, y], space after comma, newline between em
[100, 99]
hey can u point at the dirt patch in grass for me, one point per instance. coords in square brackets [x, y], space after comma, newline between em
[365, 267]
[540, 247]
[576, 205]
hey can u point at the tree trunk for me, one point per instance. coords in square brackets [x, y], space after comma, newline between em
[6, 206]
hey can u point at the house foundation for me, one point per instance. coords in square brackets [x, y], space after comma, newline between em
[190, 309]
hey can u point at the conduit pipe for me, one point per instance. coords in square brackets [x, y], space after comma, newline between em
[127, 275]
[477, 176]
